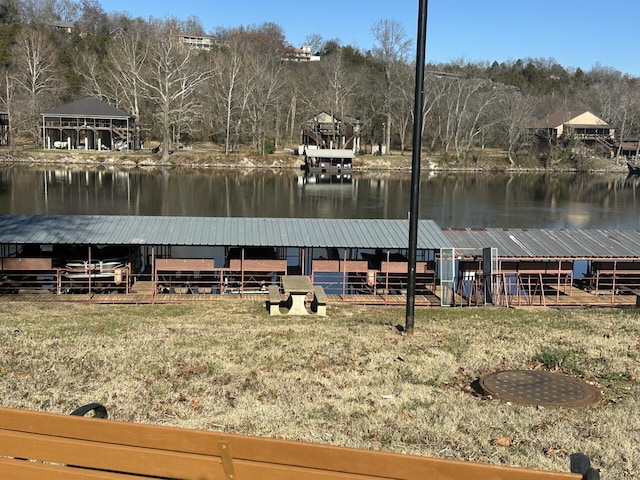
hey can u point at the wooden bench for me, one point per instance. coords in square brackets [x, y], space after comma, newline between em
[319, 303]
[275, 297]
[36, 446]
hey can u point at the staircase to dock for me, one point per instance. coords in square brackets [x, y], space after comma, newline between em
[142, 287]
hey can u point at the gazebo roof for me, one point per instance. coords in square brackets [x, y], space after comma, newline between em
[87, 107]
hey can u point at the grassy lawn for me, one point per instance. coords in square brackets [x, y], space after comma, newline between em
[349, 379]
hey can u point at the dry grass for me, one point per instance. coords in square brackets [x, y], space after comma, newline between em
[349, 379]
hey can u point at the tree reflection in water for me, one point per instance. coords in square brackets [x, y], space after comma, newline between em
[525, 200]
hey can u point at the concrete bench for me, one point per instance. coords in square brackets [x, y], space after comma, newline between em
[319, 303]
[275, 297]
[35, 445]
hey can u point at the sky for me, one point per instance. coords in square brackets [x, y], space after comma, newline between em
[573, 33]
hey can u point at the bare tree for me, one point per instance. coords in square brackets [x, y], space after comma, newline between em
[391, 51]
[127, 57]
[7, 101]
[263, 81]
[233, 57]
[264, 90]
[314, 40]
[90, 68]
[463, 113]
[336, 87]
[514, 115]
[623, 110]
[172, 76]
[34, 76]
[43, 11]
[401, 110]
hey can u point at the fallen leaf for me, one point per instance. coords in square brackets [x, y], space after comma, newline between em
[551, 451]
[502, 442]
[537, 366]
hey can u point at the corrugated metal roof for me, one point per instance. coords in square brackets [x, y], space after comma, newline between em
[313, 232]
[541, 243]
[278, 232]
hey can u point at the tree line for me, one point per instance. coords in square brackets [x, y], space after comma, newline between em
[243, 92]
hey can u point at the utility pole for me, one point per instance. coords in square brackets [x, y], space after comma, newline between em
[415, 163]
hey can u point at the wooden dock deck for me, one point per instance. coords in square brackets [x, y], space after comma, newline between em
[577, 299]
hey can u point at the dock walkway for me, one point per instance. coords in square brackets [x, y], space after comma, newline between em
[578, 299]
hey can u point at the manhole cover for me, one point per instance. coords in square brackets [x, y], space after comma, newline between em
[547, 389]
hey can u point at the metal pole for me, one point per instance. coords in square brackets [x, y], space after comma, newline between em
[415, 163]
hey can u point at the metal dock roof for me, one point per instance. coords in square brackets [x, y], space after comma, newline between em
[543, 243]
[210, 231]
[313, 232]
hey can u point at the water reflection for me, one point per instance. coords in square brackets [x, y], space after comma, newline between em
[558, 200]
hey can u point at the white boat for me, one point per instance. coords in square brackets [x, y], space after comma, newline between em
[99, 269]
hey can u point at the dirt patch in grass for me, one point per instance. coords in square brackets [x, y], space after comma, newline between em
[349, 379]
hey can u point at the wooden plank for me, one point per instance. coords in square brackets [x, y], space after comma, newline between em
[394, 267]
[110, 456]
[325, 266]
[185, 264]
[16, 469]
[264, 266]
[196, 454]
[27, 264]
[354, 266]
[403, 267]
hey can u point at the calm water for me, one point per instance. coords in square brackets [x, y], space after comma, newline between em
[452, 200]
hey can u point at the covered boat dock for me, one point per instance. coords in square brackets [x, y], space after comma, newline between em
[138, 259]
[164, 258]
[563, 267]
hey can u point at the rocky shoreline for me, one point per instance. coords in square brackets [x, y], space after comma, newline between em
[216, 160]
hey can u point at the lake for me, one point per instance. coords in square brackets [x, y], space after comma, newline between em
[526, 200]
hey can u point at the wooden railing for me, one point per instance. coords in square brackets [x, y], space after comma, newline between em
[358, 276]
[526, 281]
[614, 275]
[187, 275]
[249, 276]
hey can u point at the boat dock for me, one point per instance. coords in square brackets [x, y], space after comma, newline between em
[156, 260]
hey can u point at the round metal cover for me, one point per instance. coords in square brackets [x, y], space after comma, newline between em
[533, 387]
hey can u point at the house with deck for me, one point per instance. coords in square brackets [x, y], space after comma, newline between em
[89, 124]
[330, 131]
[584, 126]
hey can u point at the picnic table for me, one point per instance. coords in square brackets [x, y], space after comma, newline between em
[297, 287]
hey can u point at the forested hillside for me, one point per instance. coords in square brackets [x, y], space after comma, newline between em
[241, 91]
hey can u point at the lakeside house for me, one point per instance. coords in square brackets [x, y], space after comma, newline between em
[330, 131]
[89, 124]
[584, 126]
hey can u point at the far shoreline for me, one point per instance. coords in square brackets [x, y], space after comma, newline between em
[211, 159]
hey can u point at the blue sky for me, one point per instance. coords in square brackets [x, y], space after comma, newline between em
[574, 33]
